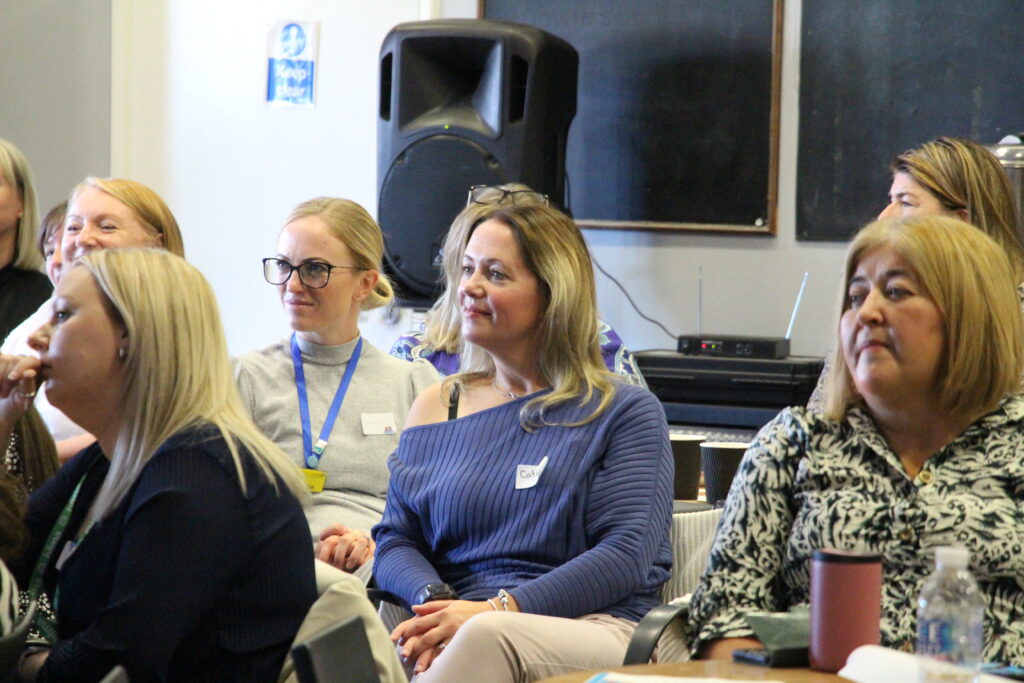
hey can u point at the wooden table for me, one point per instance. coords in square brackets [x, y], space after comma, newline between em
[715, 668]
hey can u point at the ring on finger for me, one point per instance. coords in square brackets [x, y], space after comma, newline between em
[441, 647]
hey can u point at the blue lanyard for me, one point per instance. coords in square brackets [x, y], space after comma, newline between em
[310, 452]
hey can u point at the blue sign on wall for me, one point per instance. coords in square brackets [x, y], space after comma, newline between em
[291, 64]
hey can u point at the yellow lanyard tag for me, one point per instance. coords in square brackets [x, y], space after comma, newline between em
[314, 480]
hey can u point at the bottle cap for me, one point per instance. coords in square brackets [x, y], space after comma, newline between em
[950, 556]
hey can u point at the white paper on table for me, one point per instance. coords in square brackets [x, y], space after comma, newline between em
[877, 664]
[613, 677]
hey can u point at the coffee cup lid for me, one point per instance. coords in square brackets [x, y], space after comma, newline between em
[845, 556]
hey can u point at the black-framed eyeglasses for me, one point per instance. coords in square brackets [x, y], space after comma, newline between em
[492, 194]
[312, 274]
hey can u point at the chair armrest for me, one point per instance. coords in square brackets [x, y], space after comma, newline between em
[377, 596]
[648, 632]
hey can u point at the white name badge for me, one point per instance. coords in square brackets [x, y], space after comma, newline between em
[379, 423]
[527, 476]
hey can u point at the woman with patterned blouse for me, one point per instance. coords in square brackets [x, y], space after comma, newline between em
[920, 445]
[957, 178]
[440, 339]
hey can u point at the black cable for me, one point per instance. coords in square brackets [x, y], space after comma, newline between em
[630, 299]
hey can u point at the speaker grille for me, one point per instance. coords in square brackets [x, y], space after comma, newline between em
[417, 192]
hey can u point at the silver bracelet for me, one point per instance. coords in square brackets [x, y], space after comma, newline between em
[503, 597]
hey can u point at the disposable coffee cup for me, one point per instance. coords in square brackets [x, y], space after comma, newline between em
[846, 606]
[686, 455]
[720, 460]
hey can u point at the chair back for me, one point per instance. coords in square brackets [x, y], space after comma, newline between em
[12, 644]
[692, 536]
[341, 653]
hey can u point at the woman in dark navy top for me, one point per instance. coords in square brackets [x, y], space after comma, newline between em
[176, 545]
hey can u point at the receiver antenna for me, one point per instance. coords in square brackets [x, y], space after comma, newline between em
[796, 306]
[700, 299]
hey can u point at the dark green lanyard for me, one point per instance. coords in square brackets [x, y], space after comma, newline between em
[46, 625]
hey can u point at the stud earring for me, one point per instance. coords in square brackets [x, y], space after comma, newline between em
[122, 353]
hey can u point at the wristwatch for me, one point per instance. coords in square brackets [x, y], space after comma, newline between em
[435, 591]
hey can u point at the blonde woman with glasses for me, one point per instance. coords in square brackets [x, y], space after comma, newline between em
[327, 397]
[438, 342]
[175, 545]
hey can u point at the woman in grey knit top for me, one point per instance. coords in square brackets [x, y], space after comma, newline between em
[328, 398]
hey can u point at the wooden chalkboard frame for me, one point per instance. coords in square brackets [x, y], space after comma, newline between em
[768, 226]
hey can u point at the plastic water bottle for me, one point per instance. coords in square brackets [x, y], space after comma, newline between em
[950, 617]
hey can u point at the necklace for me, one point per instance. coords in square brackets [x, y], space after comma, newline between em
[506, 394]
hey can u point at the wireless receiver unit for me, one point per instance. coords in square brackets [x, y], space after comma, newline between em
[732, 346]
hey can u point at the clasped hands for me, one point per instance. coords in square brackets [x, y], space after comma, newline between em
[345, 548]
[425, 636]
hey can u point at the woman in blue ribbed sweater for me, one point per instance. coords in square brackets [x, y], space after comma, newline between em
[527, 517]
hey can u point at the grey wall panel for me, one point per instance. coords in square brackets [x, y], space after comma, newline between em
[55, 89]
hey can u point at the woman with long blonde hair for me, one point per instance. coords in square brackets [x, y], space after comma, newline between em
[22, 282]
[530, 498]
[176, 545]
[440, 340]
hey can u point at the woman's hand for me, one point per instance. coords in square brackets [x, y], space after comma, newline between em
[31, 661]
[345, 548]
[425, 635]
[18, 377]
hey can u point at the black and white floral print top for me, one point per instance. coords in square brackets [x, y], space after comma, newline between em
[807, 483]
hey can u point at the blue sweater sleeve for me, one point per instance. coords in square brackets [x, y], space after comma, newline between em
[400, 564]
[628, 517]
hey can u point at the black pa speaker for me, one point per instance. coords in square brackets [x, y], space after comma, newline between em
[464, 102]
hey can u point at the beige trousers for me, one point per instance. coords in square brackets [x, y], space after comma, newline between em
[344, 595]
[512, 647]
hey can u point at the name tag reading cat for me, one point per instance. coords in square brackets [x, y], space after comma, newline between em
[527, 476]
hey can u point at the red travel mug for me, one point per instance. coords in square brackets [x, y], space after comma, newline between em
[846, 606]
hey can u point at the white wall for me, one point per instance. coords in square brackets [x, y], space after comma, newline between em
[188, 119]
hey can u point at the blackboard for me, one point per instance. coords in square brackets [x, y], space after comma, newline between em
[878, 77]
[677, 115]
